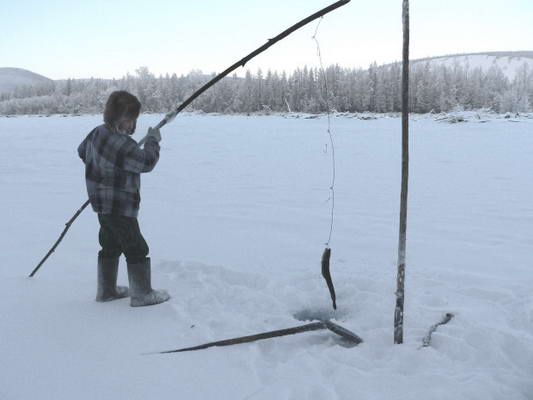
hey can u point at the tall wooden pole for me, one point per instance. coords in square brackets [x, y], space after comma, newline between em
[400, 296]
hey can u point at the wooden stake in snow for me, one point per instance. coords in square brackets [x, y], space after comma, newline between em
[400, 293]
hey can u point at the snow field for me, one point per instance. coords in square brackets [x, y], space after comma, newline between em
[236, 215]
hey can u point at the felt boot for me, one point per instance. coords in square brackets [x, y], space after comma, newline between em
[107, 281]
[141, 291]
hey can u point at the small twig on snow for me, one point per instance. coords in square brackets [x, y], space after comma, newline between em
[427, 339]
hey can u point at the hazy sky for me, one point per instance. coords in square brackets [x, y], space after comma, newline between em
[80, 39]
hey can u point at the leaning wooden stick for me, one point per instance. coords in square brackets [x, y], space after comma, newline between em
[67, 227]
[171, 115]
[241, 63]
[327, 275]
[427, 339]
[315, 326]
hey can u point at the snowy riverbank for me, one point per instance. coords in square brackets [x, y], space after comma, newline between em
[236, 215]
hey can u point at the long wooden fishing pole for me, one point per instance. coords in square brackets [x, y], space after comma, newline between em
[172, 114]
[67, 227]
[241, 63]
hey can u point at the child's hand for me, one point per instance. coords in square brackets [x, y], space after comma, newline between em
[154, 132]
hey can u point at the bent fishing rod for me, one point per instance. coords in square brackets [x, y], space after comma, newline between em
[172, 114]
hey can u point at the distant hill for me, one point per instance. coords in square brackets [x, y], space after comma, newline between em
[508, 61]
[10, 78]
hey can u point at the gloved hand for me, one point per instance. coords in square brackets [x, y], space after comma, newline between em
[154, 132]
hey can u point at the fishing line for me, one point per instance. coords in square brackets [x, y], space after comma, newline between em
[328, 107]
[326, 256]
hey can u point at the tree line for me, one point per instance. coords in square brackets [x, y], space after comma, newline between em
[434, 88]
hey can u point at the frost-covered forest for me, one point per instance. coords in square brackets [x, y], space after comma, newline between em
[438, 88]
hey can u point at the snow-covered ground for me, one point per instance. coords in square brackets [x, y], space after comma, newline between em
[236, 215]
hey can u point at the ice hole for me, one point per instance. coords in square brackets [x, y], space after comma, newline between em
[320, 314]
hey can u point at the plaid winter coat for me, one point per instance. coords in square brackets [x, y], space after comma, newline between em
[113, 164]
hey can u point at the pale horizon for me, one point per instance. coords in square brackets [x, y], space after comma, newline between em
[106, 40]
[242, 71]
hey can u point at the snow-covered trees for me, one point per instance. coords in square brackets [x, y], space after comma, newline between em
[376, 89]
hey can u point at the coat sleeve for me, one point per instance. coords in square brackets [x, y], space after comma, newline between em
[82, 148]
[131, 158]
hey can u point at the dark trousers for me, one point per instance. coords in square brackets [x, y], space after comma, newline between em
[119, 235]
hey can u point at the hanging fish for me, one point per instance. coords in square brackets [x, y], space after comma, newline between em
[327, 275]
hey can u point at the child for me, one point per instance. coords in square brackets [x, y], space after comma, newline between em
[113, 164]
